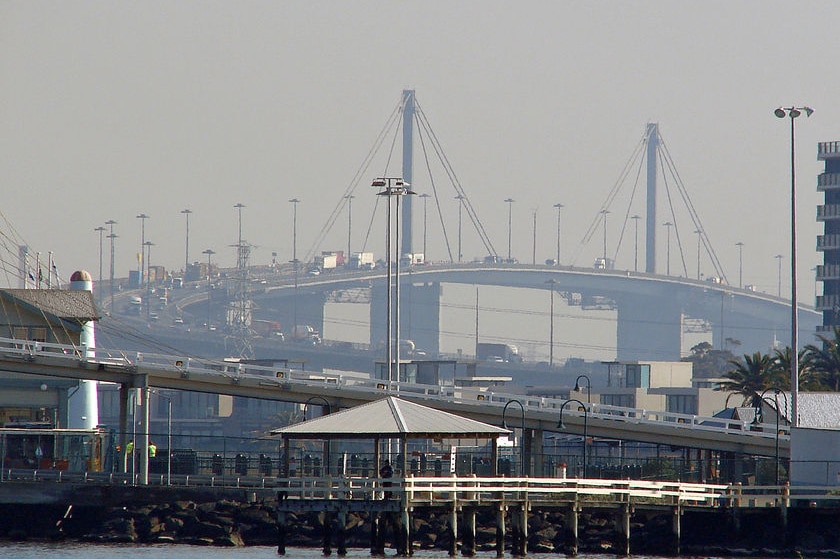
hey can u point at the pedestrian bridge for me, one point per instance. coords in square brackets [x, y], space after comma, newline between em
[344, 390]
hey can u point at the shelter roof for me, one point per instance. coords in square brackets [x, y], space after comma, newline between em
[64, 304]
[390, 417]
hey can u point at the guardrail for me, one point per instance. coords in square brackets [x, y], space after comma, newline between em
[116, 478]
[277, 377]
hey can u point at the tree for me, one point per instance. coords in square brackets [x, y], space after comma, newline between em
[750, 377]
[825, 361]
[807, 379]
[709, 362]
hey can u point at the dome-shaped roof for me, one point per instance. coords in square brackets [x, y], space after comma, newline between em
[81, 275]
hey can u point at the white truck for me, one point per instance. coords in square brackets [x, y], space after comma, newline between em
[362, 261]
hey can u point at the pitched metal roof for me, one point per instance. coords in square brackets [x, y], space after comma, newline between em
[64, 304]
[390, 417]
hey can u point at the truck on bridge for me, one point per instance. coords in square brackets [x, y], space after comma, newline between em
[507, 353]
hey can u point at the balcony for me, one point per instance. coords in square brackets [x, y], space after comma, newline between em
[828, 212]
[828, 302]
[828, 181]
[828, 272]
[828, 242]
[828, 150]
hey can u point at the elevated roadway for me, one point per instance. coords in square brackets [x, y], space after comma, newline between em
[650, 308]
[142, 370]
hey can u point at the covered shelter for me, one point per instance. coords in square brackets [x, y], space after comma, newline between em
[389, 418]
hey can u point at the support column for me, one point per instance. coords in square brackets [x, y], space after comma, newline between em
[468, 539]
[453, 531]
[327, 549]
[572, 523]
[523, 530]
[649, 325]
[676, 530]
[374, 533]
[500, 531]
[281, 533]
[123, 433]
[624, 531]
[403, 534]
[341, 534]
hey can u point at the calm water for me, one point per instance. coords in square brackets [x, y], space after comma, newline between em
[104, 551]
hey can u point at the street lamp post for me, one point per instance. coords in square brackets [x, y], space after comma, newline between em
[509, 202]
[100, 230]
[551, 286]
[793, 113]
[425, 197]
[758, 418]
[534, 251]
[699, 236]
[740, 246]
[148, 245]
[668, 226]
[187, 213]
[142, 217]
[522, 427]
[577, 387]
[349, 198]
[559, 214]
[778, 258]
[636, 218]
[605, 213]
[460, 199]
[390, 187]
[110, 223]
[294, 202]
[209, 252]
[561, 425]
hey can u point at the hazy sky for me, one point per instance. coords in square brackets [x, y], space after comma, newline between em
[111, 109]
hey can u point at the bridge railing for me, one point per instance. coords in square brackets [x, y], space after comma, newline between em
[234, 372]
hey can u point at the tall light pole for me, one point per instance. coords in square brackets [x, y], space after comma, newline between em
[740, 246]
[294, 202]
[793, 113]
[551, 286]
[636, 219]
[668, 226]
[425, 197]
[559, 218]
[522, 465]
[148, 245]
[187, 213]
[101, 231]
[699, 236]
[349, 198]
[390, 187]
[142, 217]
[209, 252]
[110, 223]
[509, 202]
[460, 199]
[605, 213]
[778, 258]
[534, 252]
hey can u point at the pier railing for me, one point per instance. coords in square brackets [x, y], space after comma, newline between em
[419, 491]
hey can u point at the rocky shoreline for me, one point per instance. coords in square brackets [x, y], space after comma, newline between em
[227, 522]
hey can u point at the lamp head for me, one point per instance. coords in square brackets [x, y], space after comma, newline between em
[808, 111]
[577, 386]
[378, 183]
[561, 425]
[794, 112]
[780, 112]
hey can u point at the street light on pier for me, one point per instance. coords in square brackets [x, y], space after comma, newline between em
[294, 202]
[793, 113]
[522, 427]
[577, 387]
[562, 426]
[740, 246]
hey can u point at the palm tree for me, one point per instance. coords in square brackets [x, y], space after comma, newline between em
[825, 361]
[783, 358]
[750, 377]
